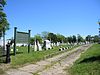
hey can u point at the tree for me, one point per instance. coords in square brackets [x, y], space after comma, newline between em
[4, 25]
[61, 38]
[32, 39]
[38, 37]
[52, 37]
[80, 38]
[73, 38]
[95, 38]
[88, 38]
[44, 35]
[70, 39]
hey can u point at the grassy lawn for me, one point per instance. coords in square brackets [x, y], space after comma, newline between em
[89, 63]
[23, 57]
[1, 71]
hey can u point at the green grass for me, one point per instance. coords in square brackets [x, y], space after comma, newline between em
[89, 62]
[1, 71]
[25, 57]
[1, 58]
[22, 57]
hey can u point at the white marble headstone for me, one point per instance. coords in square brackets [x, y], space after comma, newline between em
[39, 46]
[48, 44]
[35, 46]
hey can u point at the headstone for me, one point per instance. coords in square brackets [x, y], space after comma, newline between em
[47, 45]
[60, 49]
[35, 46]
[39, 46]
[52, 44]
[66, 47]
[58, 43]
[63, 48]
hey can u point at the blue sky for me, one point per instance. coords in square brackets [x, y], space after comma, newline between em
[67, 17]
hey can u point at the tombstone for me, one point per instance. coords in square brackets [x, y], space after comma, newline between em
[58, 43]
[66, 47]
[35, 46]
[68, 43]
[54, 44]
[75, 44]
[1, 43]
[60, 49]
[39, 46]
[63, 48]
[47, 45]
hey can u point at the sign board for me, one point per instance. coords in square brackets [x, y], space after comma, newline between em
[22, 37]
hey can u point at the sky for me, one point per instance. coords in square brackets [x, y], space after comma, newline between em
[67, 17]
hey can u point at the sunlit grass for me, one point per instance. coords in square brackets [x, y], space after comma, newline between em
[89, 63]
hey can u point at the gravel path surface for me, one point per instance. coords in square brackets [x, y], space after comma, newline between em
[51, 66]
[58, 68]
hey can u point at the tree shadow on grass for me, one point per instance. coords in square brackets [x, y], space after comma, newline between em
[91, 59]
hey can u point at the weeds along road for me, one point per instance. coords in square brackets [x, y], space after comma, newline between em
[51, 66]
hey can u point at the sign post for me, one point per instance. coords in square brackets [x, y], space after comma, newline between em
[21, 37]
[15, 30]
[29, 41]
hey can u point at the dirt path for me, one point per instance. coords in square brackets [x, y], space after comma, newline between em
[51, 66]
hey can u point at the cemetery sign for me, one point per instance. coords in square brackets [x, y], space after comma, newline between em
[22, 37]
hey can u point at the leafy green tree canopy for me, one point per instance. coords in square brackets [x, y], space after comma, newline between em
[52, 37]
[4, 25]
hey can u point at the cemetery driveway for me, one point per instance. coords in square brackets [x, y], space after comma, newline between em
[51, 66]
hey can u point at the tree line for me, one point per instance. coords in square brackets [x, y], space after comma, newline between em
[54, 38]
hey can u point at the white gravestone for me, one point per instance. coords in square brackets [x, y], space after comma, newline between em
[35, 46]
[39, 46]
[58, 43]
[47, 44]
